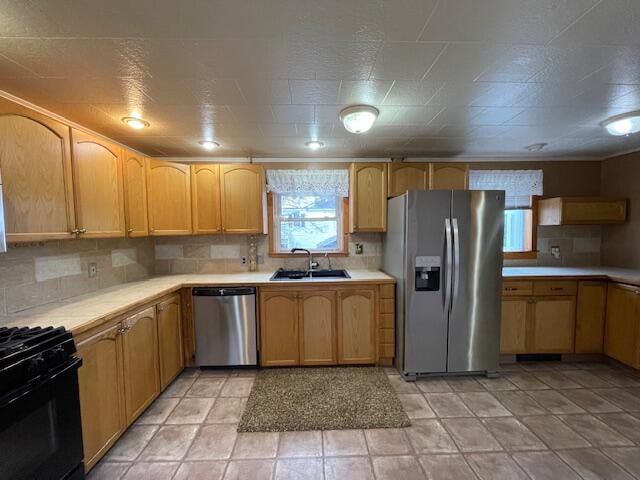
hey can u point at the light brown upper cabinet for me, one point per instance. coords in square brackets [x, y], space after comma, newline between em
[243, 199]
[205, 199]
[135, 194]
[169, 197]
[35, 164]
[581, 210]
[407, 176]
[368, 197]
[98, 186]
[449, 176]
[590, 316]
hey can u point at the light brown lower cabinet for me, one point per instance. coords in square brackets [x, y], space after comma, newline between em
[543, 324]
[622, 332]
[318, 327]
[102, 403]
[141, 369]
[170, 340]
[120, 372]
[590, 316]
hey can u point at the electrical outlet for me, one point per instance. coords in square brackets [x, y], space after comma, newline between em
[243, 260]
[555, 252]
[359, 248]
[93, 269]
[260, 259]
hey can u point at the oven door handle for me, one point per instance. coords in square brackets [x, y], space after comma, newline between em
[40, 382]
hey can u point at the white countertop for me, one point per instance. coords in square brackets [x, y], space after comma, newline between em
[622, 275]
[84, 312]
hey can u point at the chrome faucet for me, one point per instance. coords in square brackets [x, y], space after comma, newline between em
[326, 255]
[312, 265]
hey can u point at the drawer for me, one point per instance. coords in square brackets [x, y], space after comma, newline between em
[514, 288]
[555, 287]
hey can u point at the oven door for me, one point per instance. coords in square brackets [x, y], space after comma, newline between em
[40, 431]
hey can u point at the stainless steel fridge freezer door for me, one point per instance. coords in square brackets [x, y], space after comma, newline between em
[474, 322]
[425, 332]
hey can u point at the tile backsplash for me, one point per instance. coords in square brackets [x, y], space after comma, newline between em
[579, 246]
[223, 253]
[35, 274]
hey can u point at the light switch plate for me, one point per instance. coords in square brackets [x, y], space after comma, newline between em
[555, 252]
[93, 269]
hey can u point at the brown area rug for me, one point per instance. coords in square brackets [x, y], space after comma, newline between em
[328, 398]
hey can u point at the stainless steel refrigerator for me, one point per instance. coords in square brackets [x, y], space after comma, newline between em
[444, 248]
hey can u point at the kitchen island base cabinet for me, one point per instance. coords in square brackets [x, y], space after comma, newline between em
[102, 403]
[622, 332]
[170, 344]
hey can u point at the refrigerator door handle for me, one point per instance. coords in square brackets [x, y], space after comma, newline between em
[456, 259]
[449, 259]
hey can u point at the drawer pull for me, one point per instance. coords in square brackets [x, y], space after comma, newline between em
[511, 289]
[556, 289]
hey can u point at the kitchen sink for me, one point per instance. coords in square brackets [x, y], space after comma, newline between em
[283, 274]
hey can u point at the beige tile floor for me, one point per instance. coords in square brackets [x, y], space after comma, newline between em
[541, 421]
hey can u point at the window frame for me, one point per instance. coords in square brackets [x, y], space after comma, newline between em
[273, 251]
[533, 253]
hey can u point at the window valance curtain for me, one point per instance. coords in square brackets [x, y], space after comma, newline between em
[314, 182]
[519, 185]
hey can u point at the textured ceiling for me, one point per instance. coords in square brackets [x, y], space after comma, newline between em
[262, 77]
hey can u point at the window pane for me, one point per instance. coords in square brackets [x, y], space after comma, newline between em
[309, 221]
[517, 230]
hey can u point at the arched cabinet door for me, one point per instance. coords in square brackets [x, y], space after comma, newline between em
[242, 198]
[407, 176]
[368, 197]
[205, 198]
[135, 194]
[169, 197]
[99, 192]
[356, 326]
[35, 164]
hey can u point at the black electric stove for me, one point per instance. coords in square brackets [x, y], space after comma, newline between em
[40, 430]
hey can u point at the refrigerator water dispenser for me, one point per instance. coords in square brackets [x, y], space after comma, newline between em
[427, 272]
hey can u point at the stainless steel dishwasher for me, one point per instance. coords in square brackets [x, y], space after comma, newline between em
[225, 325]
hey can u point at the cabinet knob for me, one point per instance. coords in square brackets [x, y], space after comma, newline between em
[83, 230]
[130, 230]
[75, 232]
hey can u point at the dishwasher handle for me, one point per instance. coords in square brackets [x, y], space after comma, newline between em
[222, 291]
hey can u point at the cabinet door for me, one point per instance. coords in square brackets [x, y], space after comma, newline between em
[368, 197]
[170, 340]
[169, 189]
[135, 194]
[553, 325]
[278, 328]
[356, 326]
[242, 198]
[590, 316]
[35, 164]
[317, 328]
[513, 329]
[621, 331]
[407, 176]
[449, 176]
[140, 353]
[99, 192]
[205, 198]
[102, 405]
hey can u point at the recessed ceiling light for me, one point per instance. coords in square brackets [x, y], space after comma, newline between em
[624, 124]
[314, 144]
[209, 144]
[535, 147]
[358, 118]
[136, 123]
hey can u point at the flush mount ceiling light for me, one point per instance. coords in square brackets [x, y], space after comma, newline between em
[358, 118]
[624, 124]
[209, 144]
[314, 144]
[535, 147]
[136, 123]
